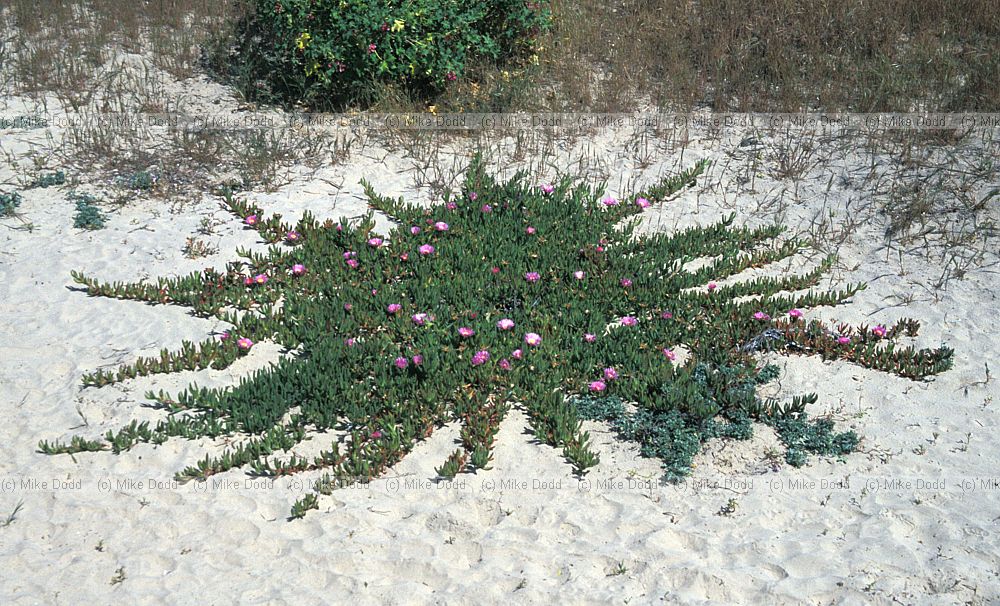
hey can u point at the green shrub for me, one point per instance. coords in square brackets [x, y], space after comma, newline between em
[506, 292]
[50, 179]
[8, 203]
[88, 215]
[333, 53]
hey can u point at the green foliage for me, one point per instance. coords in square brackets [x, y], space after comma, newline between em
[88, 215]
[9, 202]
[332, 53]
[503, 293]
[139, 181]
[50, 179]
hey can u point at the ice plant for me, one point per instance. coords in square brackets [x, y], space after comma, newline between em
[547, 188]
[293, 237]
[609, 201]
[343, 376]
[401, 363]
[761, 316]
[465, 332]
[795, 314]
[250, 220]
[298, 269]
[642, 203]
[505, 324]
[879, 331]
[625, 282]
[532, 276]
[375, 242]
[260, 279]
[415, 230]
[244, 343]
[441, 226]
[426, 249]
[579, 275]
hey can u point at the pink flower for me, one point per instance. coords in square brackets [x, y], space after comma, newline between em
[517, 354]
[248, 281]
[495, 269]
[375, 242]
[451, 76]
[350, 341]
[224, 336]
[414, 230]
[348, 307]
[532, 276]
[599, 248]
[298, 269]
[761, 316]
[625, 282]
[418, 360]
[504, 364]
[251, 220]
[486, 208]
[371, 48]
[598, 385]
[843, 340]
[293, 237]
[404, 257]
[610, 374]
[669, 353]
[245, 344]
[642, 202]
[505, 324]
[712, 286]
[609, 201]
[530, 230]
[795, 313]
[451, 206]
[466, 332]
[441, 226]
[260, 279]
[547, 188]
[473, 195]
[394, 308]
[533, 339]
[401, 363]
[349, 253]
[426, 249]
[419, 319]
[879, 331]
[579, 275]
[374, 291]
[589, 337]
[377, 434]
[480, 357]
[666, 315]
[353, 263]
[630, 321]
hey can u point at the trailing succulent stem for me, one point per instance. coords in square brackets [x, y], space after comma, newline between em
[505, 293]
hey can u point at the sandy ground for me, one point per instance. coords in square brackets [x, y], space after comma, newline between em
[911, 519]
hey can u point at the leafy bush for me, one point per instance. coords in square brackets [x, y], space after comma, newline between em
[88, 215]
[505, 293]
[9, 202]
[50, 179]
[332, 53]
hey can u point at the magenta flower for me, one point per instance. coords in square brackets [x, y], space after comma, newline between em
[473, 195]
[517, 354]
[795, 314]
[666, 315]
[486, 208]
[642, 202]
[441, 226]
[371, 48]
[401, 363]
[248, 281]
[377, 434]
[880, 331]
[505, 324]
[375, 242]
[414, 230]
[224, 336]
[480, 357]
[426, 249]
[843, 340]
[579, 275]
[451, 206]
[292, 237]
[630, 321]
[394, 308]
[404, 257]
[625, 282]
[350, 341]
[589, 337]
[466, 332]
[609, 201]
[353, 263]
[761, 316]
[349, 253]
[251, 220]
[532, 276]
[348, 307]
[260, 279]
[712, 286]
[547, 188]
[418, 360]
[598, 385]
[530, 230]
[533, 339]
[504, 364]
[599, 248]
[610, 374]
[298, 269]
[669, 353]
[419, 319]
[245, 344]
[495, 269]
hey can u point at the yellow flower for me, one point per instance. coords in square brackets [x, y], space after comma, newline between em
[303, 40]
[398, 25]
[432, 109]
[533, 59]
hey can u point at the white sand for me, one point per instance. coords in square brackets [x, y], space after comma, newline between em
[487, 542]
